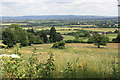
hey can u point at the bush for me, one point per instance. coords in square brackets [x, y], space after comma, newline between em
[38, 40]
[59, 45]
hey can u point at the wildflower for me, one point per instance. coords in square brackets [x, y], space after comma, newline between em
[12, 56]
[91, 34]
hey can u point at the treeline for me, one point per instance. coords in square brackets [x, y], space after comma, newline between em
[100, 23]
[15, 34]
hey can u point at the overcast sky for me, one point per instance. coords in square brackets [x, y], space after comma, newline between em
[59, 7]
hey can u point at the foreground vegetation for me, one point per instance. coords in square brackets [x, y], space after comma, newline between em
[77, 60]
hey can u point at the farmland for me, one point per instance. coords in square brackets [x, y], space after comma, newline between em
[77, 59]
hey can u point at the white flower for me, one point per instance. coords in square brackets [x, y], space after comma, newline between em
[13, 55]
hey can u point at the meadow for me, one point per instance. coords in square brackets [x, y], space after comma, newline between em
[97, 60]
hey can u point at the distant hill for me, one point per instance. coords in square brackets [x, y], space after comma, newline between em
[55, 17]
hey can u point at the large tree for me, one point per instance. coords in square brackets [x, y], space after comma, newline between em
[53, 35]
[99, 39]
[24, 40]
[8, 37]
[14, 34]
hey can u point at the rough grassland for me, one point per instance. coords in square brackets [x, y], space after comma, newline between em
[97, 59]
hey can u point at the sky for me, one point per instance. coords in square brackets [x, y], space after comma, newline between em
[58, 7]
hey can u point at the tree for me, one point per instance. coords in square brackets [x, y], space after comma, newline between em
[31, 38]
[116, 31]
[8, 37]
[44, 36]
[117, 39]
[53, 35]
[99, 39]
[17, 30]
[60, 37]
[24, 38]
[30, 30]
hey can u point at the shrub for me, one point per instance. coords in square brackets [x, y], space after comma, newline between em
[38, 40]
[59, 45]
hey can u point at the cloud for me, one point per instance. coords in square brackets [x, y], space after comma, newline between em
[59, 7]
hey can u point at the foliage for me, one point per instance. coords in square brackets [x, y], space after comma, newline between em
[17, 30]
[49, 67]
[60, 37]
[24, 38]
[30, 30]
[53, 35]
[76, 36]
[42, 65]
[73, 41]
[99, 39]
[17, 49]
[44, 36]
[59, 45]
[8, 37]
[31, 38]
[116, 31]
[38, 40]
[117, 39]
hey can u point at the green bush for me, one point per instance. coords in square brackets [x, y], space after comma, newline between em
[59, 45]
[38, 40]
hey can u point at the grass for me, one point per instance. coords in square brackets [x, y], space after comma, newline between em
[7, 24]
[101, 29]
[72, 29]
[111, 36]
[94, 57]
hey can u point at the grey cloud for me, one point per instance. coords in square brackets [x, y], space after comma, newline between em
[80, 8]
